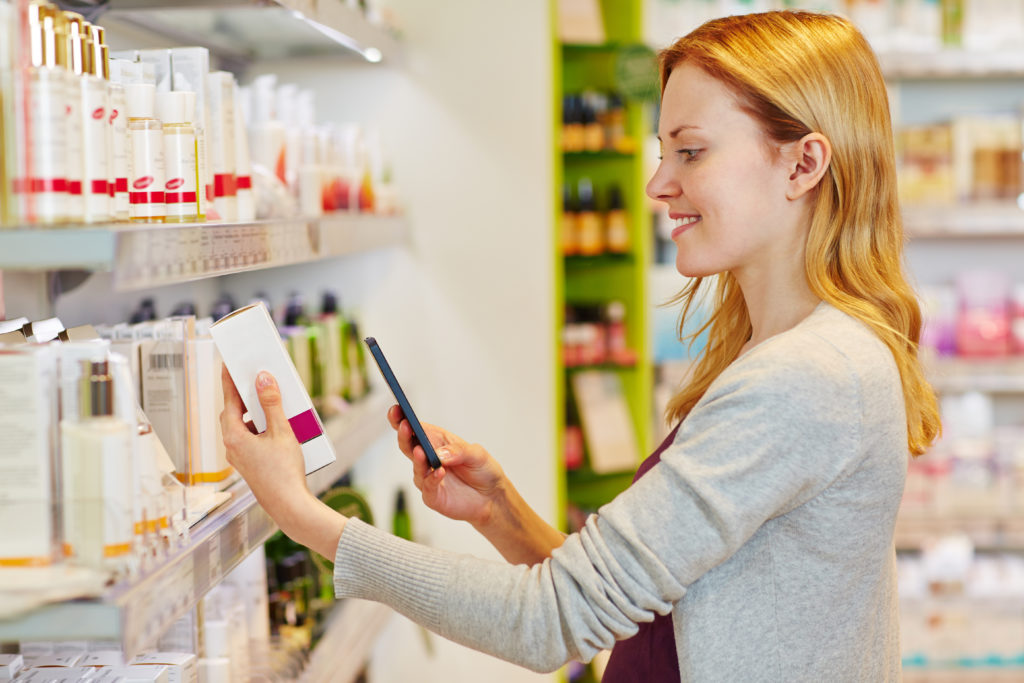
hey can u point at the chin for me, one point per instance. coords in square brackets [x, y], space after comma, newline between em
[688, 269]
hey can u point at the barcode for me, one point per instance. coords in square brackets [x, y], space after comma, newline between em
[166, 361]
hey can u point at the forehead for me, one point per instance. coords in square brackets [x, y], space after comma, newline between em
[693, 98]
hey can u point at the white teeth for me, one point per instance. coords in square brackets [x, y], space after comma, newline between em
[686, 221]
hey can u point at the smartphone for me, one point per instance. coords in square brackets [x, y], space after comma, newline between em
[403, 402]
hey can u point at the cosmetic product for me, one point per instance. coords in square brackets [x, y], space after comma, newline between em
[182, 667]
[593, 131]
[181, 169]
[331, 327]
[97, 475]
[572, 123]
[12, 338]
[95, 126]
[71, 33]
[10, 665]
[591, 234]
[570, 222]
[190, 69]
[616, 223]
[146, 155]
[208, 458]
[28, 409]
[11, 150]
[221, 144]
[12, 324]
[267, 134]
[141, 673]
[100, 658]
[246, 208]
[118, 121]
[43, 192]
[249, 343]
[354, 363]
[39, 331]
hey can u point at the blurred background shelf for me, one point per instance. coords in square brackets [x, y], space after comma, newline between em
[975, 220]
[997, 375]
[952, 63]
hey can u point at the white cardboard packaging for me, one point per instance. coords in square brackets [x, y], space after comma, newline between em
[10, 665]
[181, 666]
[249, 343]
[139, 673]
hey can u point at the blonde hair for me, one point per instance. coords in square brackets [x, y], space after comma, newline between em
[797, 73]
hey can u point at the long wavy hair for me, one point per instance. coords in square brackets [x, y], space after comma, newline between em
[796, 73]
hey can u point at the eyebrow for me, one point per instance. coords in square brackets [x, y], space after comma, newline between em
[679, 129]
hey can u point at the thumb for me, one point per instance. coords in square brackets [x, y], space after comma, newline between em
[270, 399]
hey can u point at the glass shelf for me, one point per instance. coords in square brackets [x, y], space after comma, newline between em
[1002, 532]
[996, 375]
[247, 30]
[974, 220]
[952, 63]
[345, 647]
[152, 255]
[137, 613]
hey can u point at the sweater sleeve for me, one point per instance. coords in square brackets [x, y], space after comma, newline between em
[772, 432]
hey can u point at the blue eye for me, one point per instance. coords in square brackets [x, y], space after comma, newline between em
[690, 154]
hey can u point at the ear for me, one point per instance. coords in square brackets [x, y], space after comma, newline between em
[808, 159]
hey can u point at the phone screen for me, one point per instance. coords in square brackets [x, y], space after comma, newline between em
[403, 402]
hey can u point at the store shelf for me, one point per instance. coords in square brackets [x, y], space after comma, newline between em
[978, 220]
[345, 648]
[997, 375]
[952, 63]
[247, 30]
[997, 532]
[151, 255]
[964, 675]
[137, 613]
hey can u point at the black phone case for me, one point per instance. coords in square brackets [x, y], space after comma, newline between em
[403, 402]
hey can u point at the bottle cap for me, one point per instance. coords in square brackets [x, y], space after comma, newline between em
[139, 98]
[173, 107]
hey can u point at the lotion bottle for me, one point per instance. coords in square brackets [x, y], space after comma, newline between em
[145, 155]
[181, 169]
[97, 476]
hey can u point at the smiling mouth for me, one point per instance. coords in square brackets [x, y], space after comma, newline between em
[684, 224]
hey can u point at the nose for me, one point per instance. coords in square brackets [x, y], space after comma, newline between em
[662, 187]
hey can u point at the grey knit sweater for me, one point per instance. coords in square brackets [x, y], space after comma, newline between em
[766, 530]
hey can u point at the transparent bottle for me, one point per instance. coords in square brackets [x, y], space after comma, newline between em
[181, 169]
[118, 120]
[145, 156]
[43, 190]
[95, 127]
[72, 51]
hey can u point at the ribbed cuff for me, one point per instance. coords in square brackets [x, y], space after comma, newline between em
[408, 577]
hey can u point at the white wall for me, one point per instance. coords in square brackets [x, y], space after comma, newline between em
[467, 318]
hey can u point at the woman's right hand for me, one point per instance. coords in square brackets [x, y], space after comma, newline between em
[469, 481]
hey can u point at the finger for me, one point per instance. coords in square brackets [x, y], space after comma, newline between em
[406, 439]
[270, 398]
[395, 416]
[420, 468]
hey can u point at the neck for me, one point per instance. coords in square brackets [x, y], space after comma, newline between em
[775, 307]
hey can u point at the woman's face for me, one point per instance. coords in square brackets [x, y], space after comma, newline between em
[724, 186]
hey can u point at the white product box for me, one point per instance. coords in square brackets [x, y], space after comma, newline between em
[68, 674]
[103, 658]
[181, 666]
[28, 414]
[10, 665]
[63, 659]
[249, 343]
[141, 673]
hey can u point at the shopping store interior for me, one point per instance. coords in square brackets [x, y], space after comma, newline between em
[463, 181]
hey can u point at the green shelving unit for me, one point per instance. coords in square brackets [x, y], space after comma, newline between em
[595, 280]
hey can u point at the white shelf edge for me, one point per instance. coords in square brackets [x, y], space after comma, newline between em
[1002, 376]
[947, 63]
[969, 220]
[348, 642]
[1002, 531]
[153, 255]
[137, 613]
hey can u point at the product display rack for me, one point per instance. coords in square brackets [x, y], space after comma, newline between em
[973, 220]
[143, 256]
[243, 31]
[151, 255]
[137, 612]
[951, 63]
[588, 280]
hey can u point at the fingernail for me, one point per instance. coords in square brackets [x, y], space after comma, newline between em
[264, 380]
[443, 454]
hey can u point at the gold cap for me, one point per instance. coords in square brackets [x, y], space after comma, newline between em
[42, 35]
[104, 66]
[77, 52]
[100, 65]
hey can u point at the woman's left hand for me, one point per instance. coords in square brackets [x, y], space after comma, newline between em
[274, 468]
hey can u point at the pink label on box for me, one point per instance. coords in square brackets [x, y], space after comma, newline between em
[306, 426]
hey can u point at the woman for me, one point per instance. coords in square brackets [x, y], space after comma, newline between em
[760, 547]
